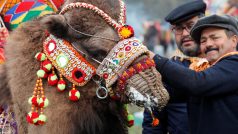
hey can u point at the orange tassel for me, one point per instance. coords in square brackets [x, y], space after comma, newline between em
[155, 122]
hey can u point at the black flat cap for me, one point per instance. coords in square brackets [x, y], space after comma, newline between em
[186, 11]
[221, 21]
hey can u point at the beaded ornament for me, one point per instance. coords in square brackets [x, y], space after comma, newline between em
[119, 58]
[68, 61]
[57, 54]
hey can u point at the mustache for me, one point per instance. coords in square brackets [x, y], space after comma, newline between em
[211, 49]
[186, 38]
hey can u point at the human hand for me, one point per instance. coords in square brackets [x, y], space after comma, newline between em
[151, 54]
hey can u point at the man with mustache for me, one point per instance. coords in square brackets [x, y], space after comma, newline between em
[174, 117]
[213, 103]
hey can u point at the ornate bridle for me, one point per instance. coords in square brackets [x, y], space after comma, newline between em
[60, 55]
[126, 50]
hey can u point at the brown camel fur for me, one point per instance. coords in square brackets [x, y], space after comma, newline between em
[89, 115]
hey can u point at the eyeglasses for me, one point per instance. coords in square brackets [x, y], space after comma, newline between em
[178, 30]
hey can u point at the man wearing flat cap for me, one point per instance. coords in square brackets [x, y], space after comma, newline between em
[213, 103]
[174, 117]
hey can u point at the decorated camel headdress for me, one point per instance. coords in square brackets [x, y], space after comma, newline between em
[60, 55]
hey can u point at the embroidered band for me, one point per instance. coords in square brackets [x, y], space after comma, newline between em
[68, 61]
[119, 58]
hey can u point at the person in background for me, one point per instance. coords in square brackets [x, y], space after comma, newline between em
[213, 91]
[151, 37]
[174, 117]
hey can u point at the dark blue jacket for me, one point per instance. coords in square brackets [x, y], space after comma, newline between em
[174, 117]
[213, 107]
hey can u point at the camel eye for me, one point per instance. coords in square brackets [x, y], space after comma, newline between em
[98, 54]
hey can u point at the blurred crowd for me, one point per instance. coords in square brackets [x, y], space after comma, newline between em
[158, 37]
[229, 7]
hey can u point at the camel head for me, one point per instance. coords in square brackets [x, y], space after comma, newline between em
[101, 49]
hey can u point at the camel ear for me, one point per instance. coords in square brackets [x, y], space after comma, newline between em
[56, 25]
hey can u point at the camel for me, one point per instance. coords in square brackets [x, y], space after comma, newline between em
[95, 112]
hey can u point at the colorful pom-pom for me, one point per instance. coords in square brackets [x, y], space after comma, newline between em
[155, 122]
[33, 101]
[130, 120]
[32, 117]
[126, 32]
[42, 119]
[52, 79]
[61, 85]
[40, 56]
[43, 102]
[74, 95]
[47, 65]
[41, 74]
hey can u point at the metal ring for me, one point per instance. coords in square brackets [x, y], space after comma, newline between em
[97, 79]
[105, 90]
